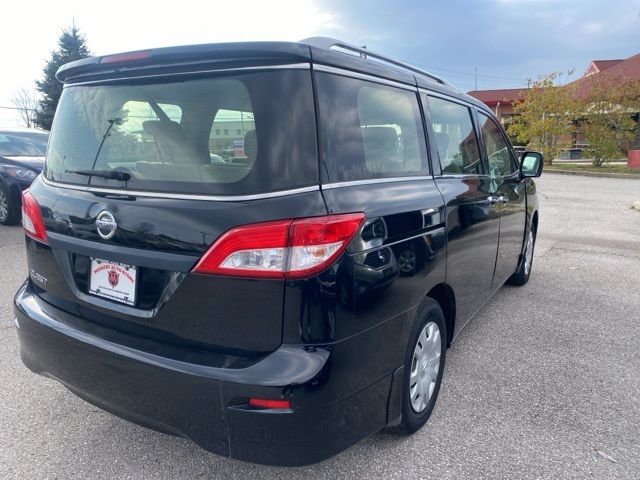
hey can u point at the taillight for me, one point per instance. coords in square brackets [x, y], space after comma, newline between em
[284, 248]
[32, 218]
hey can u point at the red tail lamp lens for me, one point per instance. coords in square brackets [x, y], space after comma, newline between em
[32, 218]
[285, 248]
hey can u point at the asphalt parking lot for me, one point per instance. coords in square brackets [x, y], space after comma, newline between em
[543, 383]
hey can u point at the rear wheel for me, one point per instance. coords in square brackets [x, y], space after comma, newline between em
[521, 276]
[423, 367]
[9, 212]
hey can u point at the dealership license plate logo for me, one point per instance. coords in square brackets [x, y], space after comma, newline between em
[114, 281]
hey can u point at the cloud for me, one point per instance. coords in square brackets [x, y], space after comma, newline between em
[120, 25]
[507, 40]
[593, 27]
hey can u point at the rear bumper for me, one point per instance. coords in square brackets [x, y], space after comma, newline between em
[202, 403]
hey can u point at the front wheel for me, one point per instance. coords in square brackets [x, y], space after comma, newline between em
[423, 367]
[521, 276]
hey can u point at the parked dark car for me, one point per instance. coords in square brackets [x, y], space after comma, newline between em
[21, 161]
[258, 307]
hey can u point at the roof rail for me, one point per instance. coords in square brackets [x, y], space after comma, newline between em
[328, 43]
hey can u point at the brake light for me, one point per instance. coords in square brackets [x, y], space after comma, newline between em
[284, 248]
[265, 403]
[32, 218]
[126, 57]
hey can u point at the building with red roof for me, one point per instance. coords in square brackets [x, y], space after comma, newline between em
[619, 71]
[597, 66]
[500, 101]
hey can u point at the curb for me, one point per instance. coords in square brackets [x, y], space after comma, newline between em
[629, 176]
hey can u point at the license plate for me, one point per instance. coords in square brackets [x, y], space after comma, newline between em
[114, 281]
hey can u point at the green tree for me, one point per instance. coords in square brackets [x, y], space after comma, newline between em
[72, 45]
[543, 119]
[607, 116]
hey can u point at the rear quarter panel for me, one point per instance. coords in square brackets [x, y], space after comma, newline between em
[366, 300]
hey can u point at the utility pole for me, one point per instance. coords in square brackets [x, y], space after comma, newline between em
[476, 87]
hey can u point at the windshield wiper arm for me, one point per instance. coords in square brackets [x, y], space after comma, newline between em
[108, 174]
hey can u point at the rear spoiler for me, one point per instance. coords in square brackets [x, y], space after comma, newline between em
[159, 60]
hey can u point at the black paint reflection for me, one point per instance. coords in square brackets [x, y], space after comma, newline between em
[387, 269]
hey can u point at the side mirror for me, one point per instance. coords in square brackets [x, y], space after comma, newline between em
[531, 164]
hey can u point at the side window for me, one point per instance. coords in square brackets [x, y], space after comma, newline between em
[455, 137]
[369, 130]
[389, 132]
[496, 148]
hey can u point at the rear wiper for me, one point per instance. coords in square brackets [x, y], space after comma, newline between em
[108, 174]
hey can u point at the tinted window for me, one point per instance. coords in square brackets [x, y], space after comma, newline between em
[239, 148]
[496, 148]
[368, 130]
[17, 144]
[136, 112]
[455, 137]
[182, 136]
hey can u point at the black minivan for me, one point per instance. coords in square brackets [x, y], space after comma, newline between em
[266, 247]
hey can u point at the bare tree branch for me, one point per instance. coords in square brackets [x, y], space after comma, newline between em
[26, 101]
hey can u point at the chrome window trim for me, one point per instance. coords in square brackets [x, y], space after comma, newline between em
[363, 76]
[290, 66]
[370, 181]
[183, 196]
[464, 176]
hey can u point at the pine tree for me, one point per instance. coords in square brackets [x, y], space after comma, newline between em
[72, 45]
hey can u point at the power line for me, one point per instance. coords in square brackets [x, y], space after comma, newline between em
[473, 74]
[468, 74]
[17, 108]
[471, 79]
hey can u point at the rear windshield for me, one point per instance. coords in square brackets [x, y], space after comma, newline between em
[229, 135]
[18, 144]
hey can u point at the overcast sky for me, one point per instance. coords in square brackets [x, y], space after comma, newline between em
[508, 41]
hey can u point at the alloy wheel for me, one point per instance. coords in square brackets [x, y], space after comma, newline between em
[4, 206]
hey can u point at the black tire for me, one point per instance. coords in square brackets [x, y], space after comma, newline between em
[521, 276]
[9, 209]
[429, 311]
